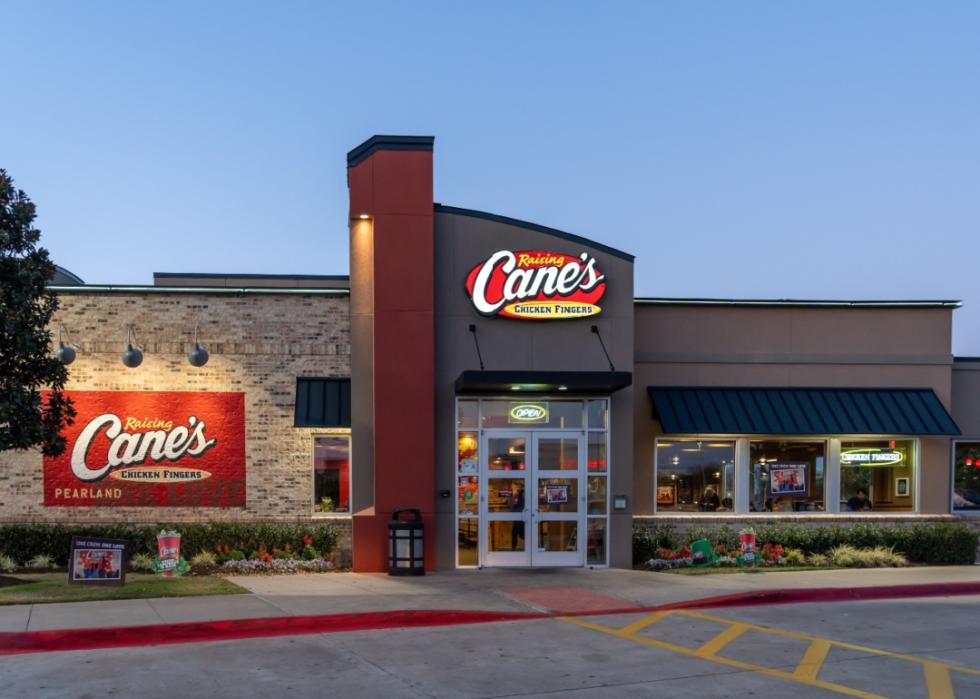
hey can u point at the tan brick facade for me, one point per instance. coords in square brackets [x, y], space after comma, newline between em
[259, 344]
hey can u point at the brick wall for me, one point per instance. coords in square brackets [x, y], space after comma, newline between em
[259, 344]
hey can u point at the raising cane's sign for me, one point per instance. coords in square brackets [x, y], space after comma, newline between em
[154, 449]
[536, 285]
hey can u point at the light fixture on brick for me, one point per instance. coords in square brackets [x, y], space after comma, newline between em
[133, 356]
[198, 356]
[66, 350]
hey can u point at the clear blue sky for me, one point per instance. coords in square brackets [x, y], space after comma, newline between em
[821, 150]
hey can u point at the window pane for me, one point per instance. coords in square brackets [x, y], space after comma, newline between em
[467, 414]
[557, 535]
[467, 539]
[597, 541]
[597, 452]
[966, 476]
[558, 495]
[786, 476]
[557, 453]
[597, 495]
[695, 476]
[877, 475]
[466, 452]
[597, 414]
[331, 474]
[468, 499]
[505, 495]
[506, 453]
[505, 536]
[528, 412]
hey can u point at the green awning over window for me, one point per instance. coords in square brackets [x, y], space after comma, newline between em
[800, 411]
[322, 403]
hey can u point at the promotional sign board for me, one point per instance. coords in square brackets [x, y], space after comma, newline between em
[536, 285]
[153, 449]
[787, 479]
[95, 560]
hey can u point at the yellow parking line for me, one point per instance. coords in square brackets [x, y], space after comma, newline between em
[839, 644]
[644, 622]
[938, 682]
[813, 659]
[655, 643]
[723, 639]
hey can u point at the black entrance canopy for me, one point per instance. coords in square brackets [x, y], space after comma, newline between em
[798, 411]
[543, 381]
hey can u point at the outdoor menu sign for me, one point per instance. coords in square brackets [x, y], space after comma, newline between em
[98, 561]
[150, 449]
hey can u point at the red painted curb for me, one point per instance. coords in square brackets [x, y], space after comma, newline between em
[13, 643]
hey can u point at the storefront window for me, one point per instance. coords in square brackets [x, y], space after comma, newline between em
[331, 474]
[468, 414]
[597, 452]
[695, 476]
[966, 477]
[877, 476]
[787, 476]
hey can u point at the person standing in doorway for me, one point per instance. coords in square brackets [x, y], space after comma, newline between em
[517, 505]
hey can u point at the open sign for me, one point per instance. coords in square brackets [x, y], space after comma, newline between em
[528, 413]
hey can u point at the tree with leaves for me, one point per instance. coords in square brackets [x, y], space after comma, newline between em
[28, 418]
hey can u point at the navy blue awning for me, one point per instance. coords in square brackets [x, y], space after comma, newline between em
[798, 411]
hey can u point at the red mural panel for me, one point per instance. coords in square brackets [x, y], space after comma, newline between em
[152, 449]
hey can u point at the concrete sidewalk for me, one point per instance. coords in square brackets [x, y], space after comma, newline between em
[562, 590]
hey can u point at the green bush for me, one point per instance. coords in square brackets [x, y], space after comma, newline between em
[646, 541]
[22, 542]
[933, 543]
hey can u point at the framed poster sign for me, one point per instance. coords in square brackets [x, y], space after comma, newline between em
[787, 479]
[665, 494]
[97, 561]
[902, 487]
[556, 494]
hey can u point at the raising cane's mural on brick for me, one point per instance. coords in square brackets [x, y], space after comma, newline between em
[536, 285]
[153, 449]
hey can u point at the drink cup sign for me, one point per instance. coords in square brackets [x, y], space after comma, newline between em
[169, 562]
[746, 540]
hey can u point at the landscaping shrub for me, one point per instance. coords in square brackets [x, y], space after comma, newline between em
[647, 540]
[22, 542]
[932, 543]
[141, 562]
[7, 564]
[41, 561]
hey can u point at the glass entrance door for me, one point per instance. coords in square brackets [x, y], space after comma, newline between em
[558, 505]
[505, 509]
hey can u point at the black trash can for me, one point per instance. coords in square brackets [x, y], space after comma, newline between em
[405, 553]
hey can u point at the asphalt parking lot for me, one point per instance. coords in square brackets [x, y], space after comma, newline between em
[903, 648]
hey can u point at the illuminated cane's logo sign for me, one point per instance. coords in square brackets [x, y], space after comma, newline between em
[528, 412]
[536, 285]
[871, 456]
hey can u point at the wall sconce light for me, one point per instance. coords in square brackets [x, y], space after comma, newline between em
[198, 356]
[66, 351]
[133, 356]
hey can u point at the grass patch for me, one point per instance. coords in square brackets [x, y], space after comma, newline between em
[42, 588]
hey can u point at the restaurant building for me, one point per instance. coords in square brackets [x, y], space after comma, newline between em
[500, 377]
